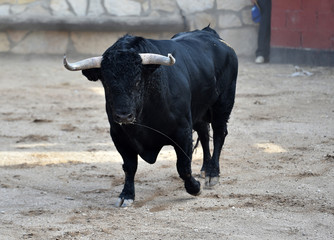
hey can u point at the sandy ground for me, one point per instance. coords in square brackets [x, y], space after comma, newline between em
[60, 174]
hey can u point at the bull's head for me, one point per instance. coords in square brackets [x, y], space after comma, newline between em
[120, 73]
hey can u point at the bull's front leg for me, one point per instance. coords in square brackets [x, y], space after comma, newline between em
[127, 196]
[183, 149]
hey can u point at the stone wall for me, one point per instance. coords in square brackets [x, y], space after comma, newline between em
[90, 26]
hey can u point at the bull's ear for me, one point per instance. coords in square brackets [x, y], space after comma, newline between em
[92, 74]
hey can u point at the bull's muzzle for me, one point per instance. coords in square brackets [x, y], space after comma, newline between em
[124, 118]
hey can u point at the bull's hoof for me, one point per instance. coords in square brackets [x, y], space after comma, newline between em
[211, 181]
[202, 174]
[121, 202]
[193, 187]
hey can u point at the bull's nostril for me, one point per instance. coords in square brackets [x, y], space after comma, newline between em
[130, 116]
[117, 118]
[124, 118]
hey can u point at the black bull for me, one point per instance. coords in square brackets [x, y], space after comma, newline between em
[150, 105]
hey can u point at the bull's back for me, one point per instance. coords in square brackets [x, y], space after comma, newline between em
[201, 57]
[204, 58]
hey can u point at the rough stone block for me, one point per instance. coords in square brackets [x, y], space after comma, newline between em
[94, 43]
[43, 42]
[164, 5]
[17, 9]
[192, 6]
[95, 8]
[60, 8]
[4, 42]
[243, 40]
[156, 36]
[202, 20]
[234, 5]
[146, 6]
[246, 17]
[4, 10]
[37, 10]
[229, 20]
[25, 1]
[16, 36]
[123, 8]
[166, 35]
[79, 7]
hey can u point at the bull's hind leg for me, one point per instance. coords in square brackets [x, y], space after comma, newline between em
[221, 111]
[212, 170]
[183, 149]
[202, 129]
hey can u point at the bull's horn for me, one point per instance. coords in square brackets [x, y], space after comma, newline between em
[94, 62]
[151, 58]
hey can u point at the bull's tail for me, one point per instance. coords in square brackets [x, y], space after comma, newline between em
[196, 144]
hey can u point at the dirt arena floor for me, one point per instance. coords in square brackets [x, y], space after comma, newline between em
[60, 174]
